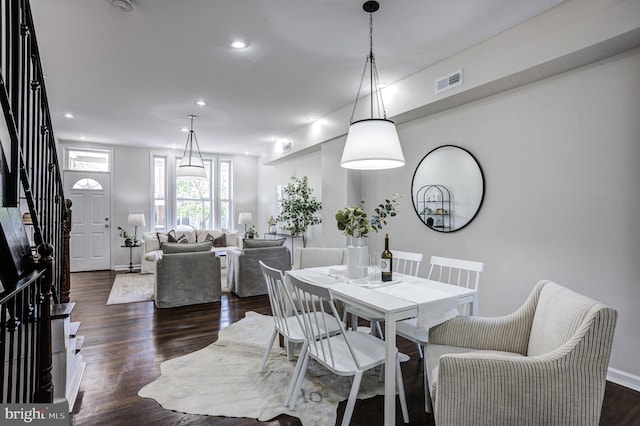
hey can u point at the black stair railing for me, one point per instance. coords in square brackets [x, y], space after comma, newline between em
[28, 279]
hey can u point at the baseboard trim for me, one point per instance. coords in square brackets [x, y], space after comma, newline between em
[623, 378]
[126, 267]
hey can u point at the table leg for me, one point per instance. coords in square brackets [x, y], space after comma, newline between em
[390, 370]
[130, 259]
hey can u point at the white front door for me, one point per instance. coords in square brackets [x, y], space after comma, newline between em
[90, 237]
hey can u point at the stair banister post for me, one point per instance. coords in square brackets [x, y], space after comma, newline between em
[65, 288]
[44, 393]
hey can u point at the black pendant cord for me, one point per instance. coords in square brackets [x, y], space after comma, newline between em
[374, 81]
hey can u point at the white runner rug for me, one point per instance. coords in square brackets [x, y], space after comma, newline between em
[223, 380]
[128, 288]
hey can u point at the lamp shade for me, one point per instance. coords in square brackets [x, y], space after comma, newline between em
[244, 218]
[372, 144]
[136, 219]
[191, 166]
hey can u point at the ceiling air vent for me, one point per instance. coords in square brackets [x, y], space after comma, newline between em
[448, 81]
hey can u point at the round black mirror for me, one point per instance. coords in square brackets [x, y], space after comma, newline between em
[447, 188]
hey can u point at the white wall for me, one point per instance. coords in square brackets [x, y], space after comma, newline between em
[270, 177]
[560, 162]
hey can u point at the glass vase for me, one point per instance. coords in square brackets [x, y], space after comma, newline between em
[357, 258]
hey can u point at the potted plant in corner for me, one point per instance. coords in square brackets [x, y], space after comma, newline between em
[354, 223]
[129, 240]
[299, 207]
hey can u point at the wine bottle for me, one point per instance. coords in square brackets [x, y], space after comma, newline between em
[386, 261]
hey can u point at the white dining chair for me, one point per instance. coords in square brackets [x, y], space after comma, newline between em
[285, 321]
[349, 353]
[404, 262]
[463, 273]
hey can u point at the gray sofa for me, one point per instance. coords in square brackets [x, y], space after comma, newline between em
[244, 276]
[187, 274]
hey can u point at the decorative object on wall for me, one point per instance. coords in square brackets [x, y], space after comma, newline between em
[191, 165]
[136, 219]
[299, 207]
[372, 143]
[245, 219]
[354, 224]
[447, 188]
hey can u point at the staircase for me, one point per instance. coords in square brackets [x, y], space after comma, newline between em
[38, 341]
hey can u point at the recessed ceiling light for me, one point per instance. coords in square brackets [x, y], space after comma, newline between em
[124, 6]
[200, 102]
[239, 44]
[69, 115]
[184, 129]
[310, 119]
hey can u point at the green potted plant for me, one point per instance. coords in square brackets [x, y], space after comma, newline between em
[299, 207]
[251, 232]
[356, 225]
[129, 240]
[353, 220]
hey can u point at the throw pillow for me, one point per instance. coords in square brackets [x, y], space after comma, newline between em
[232, 237]
[220, 241]
[164, 237]
[151, 242]
[255, 243]
[183, 239]
[168, 248]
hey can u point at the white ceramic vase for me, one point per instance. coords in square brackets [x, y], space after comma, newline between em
[357, 258]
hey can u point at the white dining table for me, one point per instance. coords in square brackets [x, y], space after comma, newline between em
[406, 297]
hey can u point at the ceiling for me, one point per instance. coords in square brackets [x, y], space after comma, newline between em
[133, 78]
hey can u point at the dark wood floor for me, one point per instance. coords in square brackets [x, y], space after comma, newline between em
[125, 344]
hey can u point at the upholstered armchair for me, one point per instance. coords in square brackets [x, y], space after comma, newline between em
[545, 364]
[244, 276]
[187, 274]
[309, 257]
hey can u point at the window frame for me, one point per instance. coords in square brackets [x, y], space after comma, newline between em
[171, 216]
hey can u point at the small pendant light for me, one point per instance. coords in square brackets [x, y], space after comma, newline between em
[191, 165]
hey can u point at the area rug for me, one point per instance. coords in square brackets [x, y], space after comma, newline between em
[128, 288]
[223, 380]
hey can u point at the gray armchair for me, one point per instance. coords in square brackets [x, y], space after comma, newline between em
[187, 278]
[244, 276]
[545, 364]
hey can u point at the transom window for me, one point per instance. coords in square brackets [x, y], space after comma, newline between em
[88, 160]
[87, 183]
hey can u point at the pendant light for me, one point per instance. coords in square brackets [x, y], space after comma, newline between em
[372, 143]
[191, 165]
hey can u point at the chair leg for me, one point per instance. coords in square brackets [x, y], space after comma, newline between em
[378, 328]
[401, 394]
[303, 370]
[295, 374]
[353, 396]
[420, 350]
[428, 408]
[265, 358]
